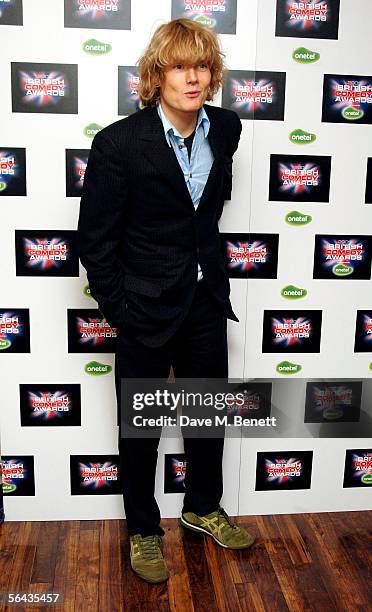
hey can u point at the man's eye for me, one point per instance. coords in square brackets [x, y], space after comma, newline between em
[203, 66]
[179, 66]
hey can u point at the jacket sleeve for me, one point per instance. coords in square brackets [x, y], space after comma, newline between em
[236, 131]
[100, 225]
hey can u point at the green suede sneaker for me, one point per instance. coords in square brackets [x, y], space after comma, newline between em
[218, 525]
[146, 557]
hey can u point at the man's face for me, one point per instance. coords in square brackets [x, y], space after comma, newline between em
[184, 87]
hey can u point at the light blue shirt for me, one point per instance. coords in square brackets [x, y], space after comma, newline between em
[195, 171]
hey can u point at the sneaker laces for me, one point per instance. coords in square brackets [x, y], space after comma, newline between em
[149, 546]
[222, 513]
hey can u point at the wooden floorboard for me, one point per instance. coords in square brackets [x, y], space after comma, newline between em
[318, 562]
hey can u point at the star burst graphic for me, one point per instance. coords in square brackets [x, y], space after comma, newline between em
[300, 325]
[332, 397]
[45, 254]
[295, 173]
[44, 400]
[97, 474]
[282, 475]
[95, 330]
[251, 402]
[41, 93]
[79, 170]
[367, 328]
[347, 97]
[6, 332]
[132, 86]
[11, 470]
[306, 23]
[248, 90]
[93, 8]
[178, 471]
[341, 255]
[193, 10]
[8, 166]
[249, 257]
[365, 470]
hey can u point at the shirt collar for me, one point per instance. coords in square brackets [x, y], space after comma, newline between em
[169, 129]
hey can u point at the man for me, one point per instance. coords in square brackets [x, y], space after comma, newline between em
[154, 190]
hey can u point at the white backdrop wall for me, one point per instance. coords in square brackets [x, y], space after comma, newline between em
[45, 136]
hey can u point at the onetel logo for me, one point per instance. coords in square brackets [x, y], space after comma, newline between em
[4, 344]
[341, 269]
[97, 369]
[8, 488]
[86, 291]
[94, 47]
[301, 137]
[352, 114]
[332, 413]
[287, 368]
[92, 129]
[297, 218]
[2, 186]
[293, 293]
[367, 479]
[305, 56]
[205, 21]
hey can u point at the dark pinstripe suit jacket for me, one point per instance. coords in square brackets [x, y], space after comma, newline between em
[139, 235]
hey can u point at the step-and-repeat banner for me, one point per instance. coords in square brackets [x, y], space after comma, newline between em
[296, 236]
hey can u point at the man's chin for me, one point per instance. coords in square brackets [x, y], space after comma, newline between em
[194, 105]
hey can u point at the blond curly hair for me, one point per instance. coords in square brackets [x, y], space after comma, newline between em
[179, 40]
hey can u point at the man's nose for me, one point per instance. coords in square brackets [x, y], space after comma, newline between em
[191, 74]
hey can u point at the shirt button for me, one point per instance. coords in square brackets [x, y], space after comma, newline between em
[190, 175]
[180, 146]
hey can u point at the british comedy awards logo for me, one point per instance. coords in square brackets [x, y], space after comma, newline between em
[95, 475]
[18, 475]
[128, 97]
[44, 88]
[342, 257]
[347, 99]
[250, 255]
[12, 171]
[14, 330]
[11, 12]
[363, 332]
[89, 332]
[283, 470]
[174, 473]
[46, 253]
[291, 331]
[307, 19]
[333, 401]
[50, 405]
[76, 163]
[98, 14]
[358, 468]
[255, 94]
[219, 15]
[299, 178]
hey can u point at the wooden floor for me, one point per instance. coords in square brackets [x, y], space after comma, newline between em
[300, 562]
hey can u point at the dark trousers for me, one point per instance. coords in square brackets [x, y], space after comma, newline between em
[198, 349]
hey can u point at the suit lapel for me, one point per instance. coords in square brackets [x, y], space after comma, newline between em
[161, 155]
